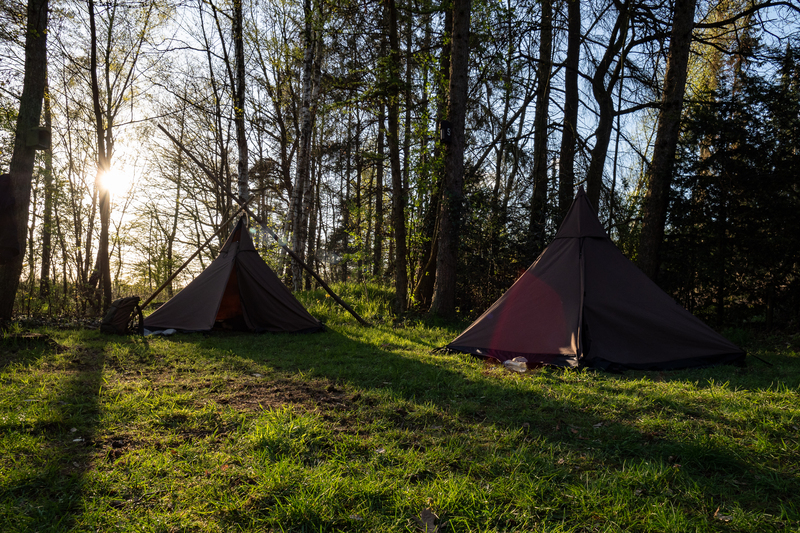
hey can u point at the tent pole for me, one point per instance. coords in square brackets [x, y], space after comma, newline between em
[186, 263]
[263, 225]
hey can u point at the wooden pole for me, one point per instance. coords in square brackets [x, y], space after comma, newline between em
[186, 263]
[264, 226]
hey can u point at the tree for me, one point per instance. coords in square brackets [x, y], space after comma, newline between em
[22, 159]
[603, 81]
[540, 134]
[661, 167]
[452, 200]
[569, 134]
[399, 195]
[303, 186]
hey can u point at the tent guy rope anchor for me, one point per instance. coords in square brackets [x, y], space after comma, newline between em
[258, 219]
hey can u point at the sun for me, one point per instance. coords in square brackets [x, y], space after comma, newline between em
[119, 181]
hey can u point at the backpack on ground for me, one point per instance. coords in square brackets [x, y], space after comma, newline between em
[124, 317]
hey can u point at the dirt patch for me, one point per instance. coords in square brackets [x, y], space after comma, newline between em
[87, 359]
[259, 394]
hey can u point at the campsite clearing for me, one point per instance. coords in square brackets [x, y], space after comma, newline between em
[362, 429]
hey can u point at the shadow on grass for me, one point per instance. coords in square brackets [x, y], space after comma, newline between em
[572, 426]
[44, 492]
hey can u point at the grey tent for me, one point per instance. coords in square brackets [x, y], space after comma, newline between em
[584, 303]
[237, 291]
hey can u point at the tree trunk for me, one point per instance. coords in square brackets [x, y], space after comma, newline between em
[539, 200]
[358, 232]
[344, 270]
[103, 275]
[603, 84]
[239, 103]
[398, 191]
[301, 192]
[313, 244]
[656, 200]
[377, 248]
[47, 216]
[22, 159]
[444, 294]
[423, 292]
[177, 207]
[569, 136]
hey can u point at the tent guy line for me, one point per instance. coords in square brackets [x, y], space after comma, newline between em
[258, 219]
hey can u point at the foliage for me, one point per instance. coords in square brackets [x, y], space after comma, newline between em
[732, 247]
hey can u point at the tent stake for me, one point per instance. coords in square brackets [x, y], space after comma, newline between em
[264, 226]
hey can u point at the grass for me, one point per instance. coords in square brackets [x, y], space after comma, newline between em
[361, 429]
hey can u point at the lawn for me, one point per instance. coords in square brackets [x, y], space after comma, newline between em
[364, 429]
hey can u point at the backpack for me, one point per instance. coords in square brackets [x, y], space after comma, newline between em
[124, 317]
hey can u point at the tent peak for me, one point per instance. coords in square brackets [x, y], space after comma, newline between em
[581, 220]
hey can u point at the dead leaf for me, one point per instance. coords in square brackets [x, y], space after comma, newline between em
[427, 521]
[722, 517]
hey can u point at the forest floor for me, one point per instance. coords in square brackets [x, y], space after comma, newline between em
[364, 429]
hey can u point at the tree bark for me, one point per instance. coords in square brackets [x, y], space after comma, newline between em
[423, 292]
[539, 200]
[444, 294]
[302, 186]
[603, 93]
[47, 216]
[102, 265]
[569, 136]
[398, 191]
[22, 158]
[239, 102]
[377, 248]
[358, 231]
[656, 198]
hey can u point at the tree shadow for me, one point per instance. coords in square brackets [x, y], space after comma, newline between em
[45, 486]
[386, 375]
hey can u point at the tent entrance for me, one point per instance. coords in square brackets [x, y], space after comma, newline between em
[230, 314]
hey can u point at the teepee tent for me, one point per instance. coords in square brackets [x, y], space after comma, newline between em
[584, 303]
[237, 291]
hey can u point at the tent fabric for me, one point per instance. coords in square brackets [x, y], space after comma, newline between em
[582, 302]
[237, 291]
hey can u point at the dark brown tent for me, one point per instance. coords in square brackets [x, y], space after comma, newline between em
[584, 303]
[237, 291]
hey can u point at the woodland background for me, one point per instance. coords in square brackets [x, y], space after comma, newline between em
[680, 118]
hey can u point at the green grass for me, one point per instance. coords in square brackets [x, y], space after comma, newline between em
[360, 429]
